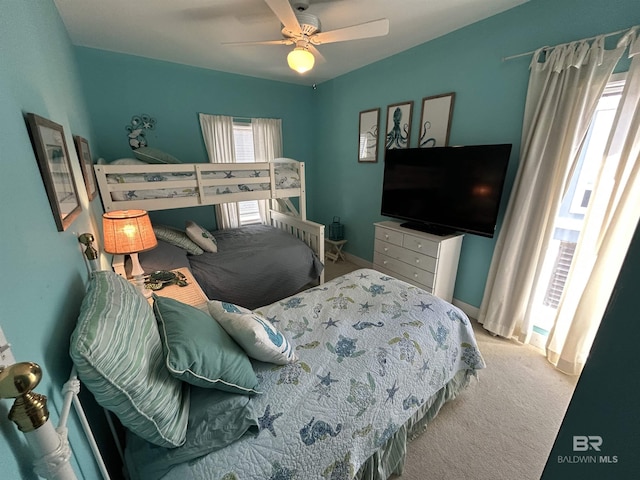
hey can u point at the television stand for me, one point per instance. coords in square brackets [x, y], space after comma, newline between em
[432, 229]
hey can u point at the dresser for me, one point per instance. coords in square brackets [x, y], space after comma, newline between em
[425, 260]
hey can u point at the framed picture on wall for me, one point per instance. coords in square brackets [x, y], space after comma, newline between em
[368, 135]
[52, 155]
[86, 162]
[435, 120]
[398, 131]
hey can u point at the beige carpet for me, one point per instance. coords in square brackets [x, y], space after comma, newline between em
[503, 426]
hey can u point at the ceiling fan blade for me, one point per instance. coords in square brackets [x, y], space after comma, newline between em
[284, 41]
[316, 53]
[375, 28]
[286, 15]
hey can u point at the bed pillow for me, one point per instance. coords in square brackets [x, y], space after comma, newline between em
[216, 419]
[127, 161]
[178, 238]
[117, 351]
[164, 257]
[201, 237]
[154, 155]
[198, 351]
[254, 333]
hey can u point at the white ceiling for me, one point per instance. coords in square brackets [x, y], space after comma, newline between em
[191, 32]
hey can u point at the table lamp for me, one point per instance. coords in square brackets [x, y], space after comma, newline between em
[129, 232]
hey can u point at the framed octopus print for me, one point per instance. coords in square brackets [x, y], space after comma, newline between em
[86, 162]
[435, 121]
[398, 132]
[368, 135]
[55, 167]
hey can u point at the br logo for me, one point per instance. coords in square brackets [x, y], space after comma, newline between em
[583, 443]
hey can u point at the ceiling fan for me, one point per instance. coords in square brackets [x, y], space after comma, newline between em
[303, 29]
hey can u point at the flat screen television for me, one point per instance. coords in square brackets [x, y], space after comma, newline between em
[445, 189]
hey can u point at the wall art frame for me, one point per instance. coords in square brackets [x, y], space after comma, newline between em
[435, 120]
[86, 162]
[398, 131]
[368, 128]
[51, 152]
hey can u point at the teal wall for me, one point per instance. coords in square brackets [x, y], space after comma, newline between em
[43, 273]
[489, 106]
[119, 86]
[94, 94]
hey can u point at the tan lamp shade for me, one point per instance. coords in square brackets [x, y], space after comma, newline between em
[127, 232]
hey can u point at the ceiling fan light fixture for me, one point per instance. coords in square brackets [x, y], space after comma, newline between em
[301, 60]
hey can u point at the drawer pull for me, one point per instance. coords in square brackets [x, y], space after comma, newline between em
[384, 262]
[415, 275]
[386, 236]
[386, 249]
[419, 245]
[417, 260]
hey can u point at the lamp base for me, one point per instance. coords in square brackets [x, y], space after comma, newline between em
[137, 274]
[138, 281]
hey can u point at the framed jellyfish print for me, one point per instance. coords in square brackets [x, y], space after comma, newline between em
[435, 121]
[398, 132]
[368, 135]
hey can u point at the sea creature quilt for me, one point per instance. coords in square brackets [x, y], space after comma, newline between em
[370, 351]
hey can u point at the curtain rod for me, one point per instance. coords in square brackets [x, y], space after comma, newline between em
[504, 59]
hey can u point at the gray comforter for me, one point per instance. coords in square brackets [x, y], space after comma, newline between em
[255, 266]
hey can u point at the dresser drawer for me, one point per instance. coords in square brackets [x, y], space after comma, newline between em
[387, 235]
[413, 274]
[417, 260]
[386, 271]
[421, 245]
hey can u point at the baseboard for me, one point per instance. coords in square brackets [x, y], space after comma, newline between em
[361, 262]
[470, 310]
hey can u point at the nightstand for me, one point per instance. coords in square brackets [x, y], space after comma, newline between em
[191, 294]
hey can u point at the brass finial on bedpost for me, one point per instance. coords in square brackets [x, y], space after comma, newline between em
[29, 411]
[50, 447]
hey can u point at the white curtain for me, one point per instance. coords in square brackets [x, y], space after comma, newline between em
[267, 145]
[217, 131]
[610, 222]
[563, 93]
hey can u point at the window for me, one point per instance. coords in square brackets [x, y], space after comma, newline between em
[572, 212]
[243, 140]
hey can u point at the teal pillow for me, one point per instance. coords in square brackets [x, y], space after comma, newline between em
[198, 351]
[201, 237]
[154, 155]
[216, 419]
[118, 355]
[178, 238]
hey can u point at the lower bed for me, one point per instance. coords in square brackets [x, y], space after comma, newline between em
[377, 358]
[254, 265]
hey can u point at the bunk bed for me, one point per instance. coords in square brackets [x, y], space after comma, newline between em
[131, 184]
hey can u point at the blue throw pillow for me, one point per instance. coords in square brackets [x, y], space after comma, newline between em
[118, 353]
[198, 351]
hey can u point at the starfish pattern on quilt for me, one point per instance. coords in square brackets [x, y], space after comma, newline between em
[266, 421]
